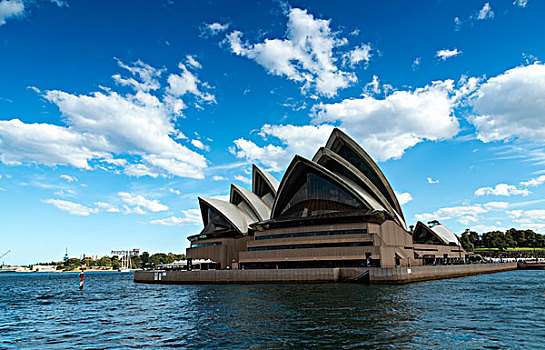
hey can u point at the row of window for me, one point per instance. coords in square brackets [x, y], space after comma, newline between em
[207, 244]
[312, 234]
[318, 245]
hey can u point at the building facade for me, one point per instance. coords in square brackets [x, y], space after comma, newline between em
[336, 210]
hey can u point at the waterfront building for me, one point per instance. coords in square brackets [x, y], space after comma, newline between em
[335, 210]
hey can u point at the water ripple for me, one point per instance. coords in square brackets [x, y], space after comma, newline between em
[498, 311]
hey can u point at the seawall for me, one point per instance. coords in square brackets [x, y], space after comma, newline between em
[321, 275]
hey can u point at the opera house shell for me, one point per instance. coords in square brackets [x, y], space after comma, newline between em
[336, 210]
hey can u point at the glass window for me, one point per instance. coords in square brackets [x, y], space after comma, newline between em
[351, 156]
[314, 195]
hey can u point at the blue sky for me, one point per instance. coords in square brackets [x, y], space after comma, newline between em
[115, 116]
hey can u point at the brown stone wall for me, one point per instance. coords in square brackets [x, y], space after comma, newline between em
[223, 254]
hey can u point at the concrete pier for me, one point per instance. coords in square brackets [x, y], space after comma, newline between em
[321, 275]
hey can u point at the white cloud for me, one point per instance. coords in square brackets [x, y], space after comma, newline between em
[65, 193]
[511, 105]
[457, 23]
[147, 76]
[218, 178]
[187, 82]
[140, 203]
[140, 170]
[359, 54]
[534, 182]
[384, 127]
[502, 190]
[192, 61]
[496, 205]
[534, 219]
[520, 3]
[416, 63]
[432, 181]
[102, 206]
[446, 53]
[305, 56]
[71, 207]
[69, 178]
[104, 126]
[387, 127]
[175, 191]
[486, 12]
[300, 140]
[10, 9]
[190, 217]
[243, 179]
[200, 145]
[464, 214]
[221, 197]
[216, 28]
[404, 197]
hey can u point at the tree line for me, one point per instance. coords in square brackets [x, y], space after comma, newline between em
[511, 238]
[143, 260]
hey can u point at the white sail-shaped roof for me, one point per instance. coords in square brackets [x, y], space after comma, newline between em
[233, 214]
[445, 234]
[259, 208]
[259, 174]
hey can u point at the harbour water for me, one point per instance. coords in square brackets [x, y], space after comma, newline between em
[496, 311]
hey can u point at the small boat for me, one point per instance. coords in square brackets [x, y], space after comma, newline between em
[5, 269]
[125, 261]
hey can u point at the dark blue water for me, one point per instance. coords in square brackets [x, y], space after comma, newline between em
[498, 311]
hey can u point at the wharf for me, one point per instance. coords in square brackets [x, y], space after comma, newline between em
[321, 275]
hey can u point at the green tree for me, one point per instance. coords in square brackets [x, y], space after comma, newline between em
[466, 242]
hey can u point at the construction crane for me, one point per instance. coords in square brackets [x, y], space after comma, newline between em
[6, 253]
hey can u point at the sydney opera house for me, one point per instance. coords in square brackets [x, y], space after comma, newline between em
[336, 210]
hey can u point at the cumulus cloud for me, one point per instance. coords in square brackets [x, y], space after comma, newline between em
[307, 54]
[446, 53]
[359, 54]
[534, 182]
[534, 219]
[71, 207]
[218, 178]
[432, 181]
[142, 205]
[10, 9]
[511, 105]
[293, 140]
[200, 145]
[486, 12]
[106, 126]
[404, 197]
[188, 82]
[387, 127]
[502, 190]
[214, 28]
[190, 217]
